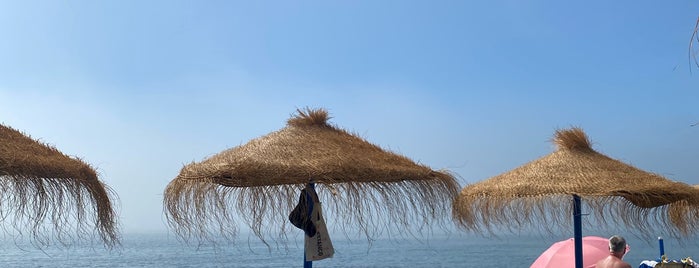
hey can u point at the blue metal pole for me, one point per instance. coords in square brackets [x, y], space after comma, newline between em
[309, 201]
[577, 225]
[662, 247]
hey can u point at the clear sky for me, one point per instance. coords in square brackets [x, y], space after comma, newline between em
[140, 88]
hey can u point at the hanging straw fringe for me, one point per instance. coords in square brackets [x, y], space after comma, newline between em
[550, 214]
[202, 210]
[686, 212]
[40, 187]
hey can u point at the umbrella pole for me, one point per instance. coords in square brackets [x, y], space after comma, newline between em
[577, 225]
[309, 201]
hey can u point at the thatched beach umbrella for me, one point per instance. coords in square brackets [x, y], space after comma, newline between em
[40, 187]
[538, 194]
[361, 184]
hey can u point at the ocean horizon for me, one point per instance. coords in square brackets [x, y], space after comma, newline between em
[449, 250]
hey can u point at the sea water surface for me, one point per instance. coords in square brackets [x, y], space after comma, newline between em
[453, 250]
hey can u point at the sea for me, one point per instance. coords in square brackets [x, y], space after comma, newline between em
[448, 250]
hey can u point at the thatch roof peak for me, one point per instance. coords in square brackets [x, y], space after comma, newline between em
[572, 139]
[309, 117]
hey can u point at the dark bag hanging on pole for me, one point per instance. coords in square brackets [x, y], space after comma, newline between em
[300, 218]
[318, 246]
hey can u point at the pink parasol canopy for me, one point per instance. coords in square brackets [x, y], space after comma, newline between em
[562, 253]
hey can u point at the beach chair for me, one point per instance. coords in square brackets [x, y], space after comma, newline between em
[673, 265]
[663, 261]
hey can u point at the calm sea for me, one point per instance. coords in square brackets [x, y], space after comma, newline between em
[456, 250]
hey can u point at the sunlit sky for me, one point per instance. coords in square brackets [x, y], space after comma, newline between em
[140, 88]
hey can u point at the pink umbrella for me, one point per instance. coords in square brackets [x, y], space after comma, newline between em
[562, 253]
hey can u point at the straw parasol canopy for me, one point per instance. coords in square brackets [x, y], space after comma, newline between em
[42, 187]
[538, 194]
[362, 185]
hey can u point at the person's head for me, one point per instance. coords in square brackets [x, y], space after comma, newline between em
[617, 244]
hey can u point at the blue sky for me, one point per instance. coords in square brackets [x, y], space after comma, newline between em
[140, 88]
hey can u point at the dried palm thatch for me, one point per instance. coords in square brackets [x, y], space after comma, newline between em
[366, 187]
[51, 195]
[686, 212]
[538, 194]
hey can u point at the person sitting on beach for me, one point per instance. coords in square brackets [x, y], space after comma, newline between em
[617, 249]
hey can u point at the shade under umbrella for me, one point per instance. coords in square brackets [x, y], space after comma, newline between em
[364, 187]
[40, 187]
[561, 254]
